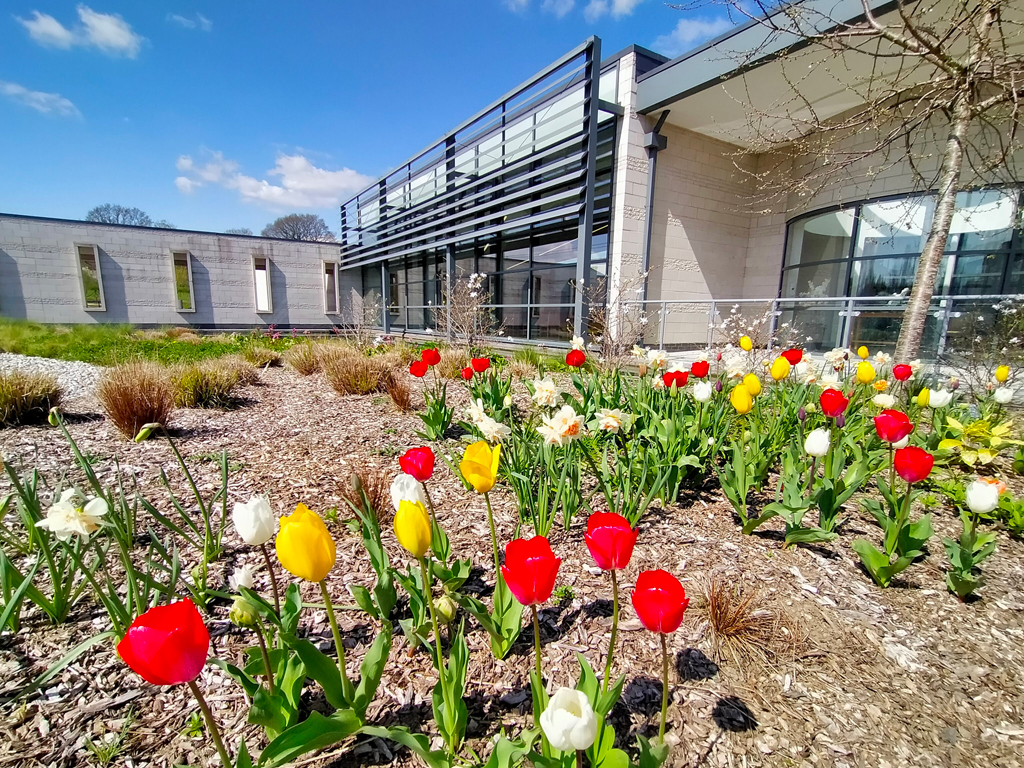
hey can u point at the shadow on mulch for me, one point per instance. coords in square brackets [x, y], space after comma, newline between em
[693, 665]
[731, 713]
[601, 608]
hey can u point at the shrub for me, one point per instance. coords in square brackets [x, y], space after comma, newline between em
[398, 389]
[261, 356]
[135, 394]
[27, 398]
[205, 385]
[354, 374]
[304, 358]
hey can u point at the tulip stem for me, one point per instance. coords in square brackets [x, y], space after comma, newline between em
[494, 536]
[273, 578]
[266, 656]
[664, 687]
[211, 725]
[615, 631]
[892, 468]
[338, 644]
[536, 643]
[579, 758]
[428, 593]
[433, 519]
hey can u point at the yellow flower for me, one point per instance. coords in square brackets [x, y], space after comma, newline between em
[412, 528]
[922, 398]
[1002, 373]
[780, 368]
[865, 372]
[741, 399]
[479, 466]
[746, 344]
[753, 384]
[304, 545]
[862, 353]
[881, 385]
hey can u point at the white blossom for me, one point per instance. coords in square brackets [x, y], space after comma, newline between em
[72, 515]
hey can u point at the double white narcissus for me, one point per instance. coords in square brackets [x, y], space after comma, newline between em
[569, 722]
[545, 392]
[817, 443]
[254, 521]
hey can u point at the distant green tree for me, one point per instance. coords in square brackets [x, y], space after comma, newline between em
[300, 226]
[238, 231]
[110, 213]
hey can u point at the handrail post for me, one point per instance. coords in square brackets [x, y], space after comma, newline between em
[711, 324]
[664, 319]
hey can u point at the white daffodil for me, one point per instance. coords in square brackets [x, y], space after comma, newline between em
[407, 488]
[476, 411]
[639, 353]
[545, 392]
[254, 520]
[578, 343]
[562, 427]
[882, 358]
[884, 400]
[493, 431]
[569, 721]
[72, 515]
[656, 358]
[242, 577]
[611, 419]
[1003, 395]
[702, 391]
[817, 442]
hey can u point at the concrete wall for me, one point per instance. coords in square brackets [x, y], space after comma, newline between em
[39, 276]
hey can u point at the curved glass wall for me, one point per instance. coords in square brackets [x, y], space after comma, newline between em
[868, 252]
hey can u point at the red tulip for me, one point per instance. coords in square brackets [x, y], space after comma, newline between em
[167, 645]
[418, 462]
[892, 426]
[794, 356]
[418, 368]
[675, 377]
[833, 403]
[575, 358]
[467, 373]
[913, 464]
[610, 540]
[660, 601]
[530, 569]
[480, 364]
[700, 368]
[431, 356]
[902, 372]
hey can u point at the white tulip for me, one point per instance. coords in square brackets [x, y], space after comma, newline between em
[406, 488]
[73, 515]
[1003, 395]
[884, 400]
[939, 398]
[254, 520]
[242, 577]
[702, 391]
[902, 443]
[817, 442]
[569, 721]
[982, 497]
[507, 401]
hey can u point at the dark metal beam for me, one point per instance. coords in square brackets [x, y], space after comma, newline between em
[585, 238]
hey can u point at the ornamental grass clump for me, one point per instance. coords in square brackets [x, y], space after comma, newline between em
[247, 373]
[398, 390]
[304, 358]
[26, 398]
[354, 374]
[261, 356]
[205, 385]
[135, 394]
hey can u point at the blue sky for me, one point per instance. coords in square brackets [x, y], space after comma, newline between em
[227, 114]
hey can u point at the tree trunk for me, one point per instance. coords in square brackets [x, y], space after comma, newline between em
[908, 346]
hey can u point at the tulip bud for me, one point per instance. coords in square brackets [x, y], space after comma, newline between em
[841, 420]
[446, 609]
[355, 482]
[802, 414]
[243, 613]
[718, 386]
[954, 384]
[146, 430]
[746, 436]
[53, 417]
[817, 443]
[569, 722]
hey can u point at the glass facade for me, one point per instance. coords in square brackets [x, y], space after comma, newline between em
[868, 253]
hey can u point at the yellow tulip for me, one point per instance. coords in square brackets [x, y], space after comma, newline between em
[479, 465]
[753, 384]
[741, 399]
[922, 398]
[412, 528]
[304, 545]
[780, 368]
[862, 352]
[746, 344]
[865, 372]
[1002, 373]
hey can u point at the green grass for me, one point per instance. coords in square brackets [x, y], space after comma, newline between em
[109, 344]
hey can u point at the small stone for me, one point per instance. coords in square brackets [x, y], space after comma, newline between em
[950, 735]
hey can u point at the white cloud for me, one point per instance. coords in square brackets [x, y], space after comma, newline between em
[47, 103]
[688, 33]
[622, 8]
[200, 21]
[301, 185]
[595, 10]
[517, 5]
[106, 31]
[558, 7]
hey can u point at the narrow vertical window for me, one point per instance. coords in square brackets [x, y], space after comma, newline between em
[261, 279]
[183, 281]
[92, 280]
[330, 287]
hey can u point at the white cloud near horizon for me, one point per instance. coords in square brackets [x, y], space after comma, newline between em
[559, 8]
[199, 22]
[40, 101]
[617, 8]
[688, 33]
[517, 5]
[301, 184]
[106, 31]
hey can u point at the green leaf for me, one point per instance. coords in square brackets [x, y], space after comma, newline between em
[371, 670]
[10, 575]
[291, 609]
[876, 563]
[507, 754]
[316, 732]
[270, 711]
[240, 677]
[651, 755]
[321, 668]
[913, 536]
[588, 680]
[62, 662]
[809, 536]
[416, 742]
[243, 760]
[363, 599]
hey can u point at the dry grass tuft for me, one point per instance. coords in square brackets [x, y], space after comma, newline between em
[261, 356]
[377, 486]
[522, 369]
[247, 373]
[353, 373]
[176, 332]
[205, 385]
[135, 394]
[304, 358]
[452, 363]
[26, 398]
[398, 389]
[743, 624]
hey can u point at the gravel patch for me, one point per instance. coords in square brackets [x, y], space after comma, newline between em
[78, 379]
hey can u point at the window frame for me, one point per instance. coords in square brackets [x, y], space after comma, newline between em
[337, 287]
[174, 281]
[81, 279]
[270, 288]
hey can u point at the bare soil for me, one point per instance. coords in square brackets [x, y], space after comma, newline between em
[848, 675]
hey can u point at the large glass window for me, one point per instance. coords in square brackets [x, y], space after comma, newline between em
[92, 279]
[182, 261]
